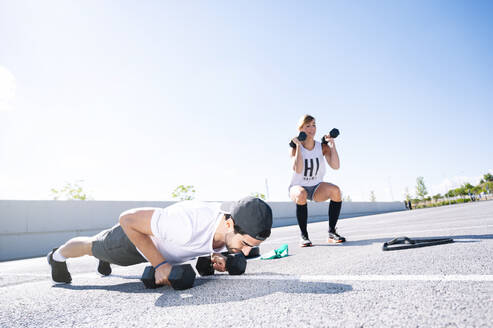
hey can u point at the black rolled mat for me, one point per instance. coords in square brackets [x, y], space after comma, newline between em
[405, 243]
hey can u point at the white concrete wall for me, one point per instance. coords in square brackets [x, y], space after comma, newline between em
[30, 228]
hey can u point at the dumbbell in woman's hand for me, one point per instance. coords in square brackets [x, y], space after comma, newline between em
[333, 134]
[301, 137]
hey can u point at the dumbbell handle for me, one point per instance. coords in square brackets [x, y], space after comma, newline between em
[210, 265]
[235, 264]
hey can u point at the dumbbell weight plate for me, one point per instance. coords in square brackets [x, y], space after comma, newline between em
[182, 276]
[204, 266]
[148, 277]
[254, 252]
[236, 264]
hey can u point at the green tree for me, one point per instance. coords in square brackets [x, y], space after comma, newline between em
[461, 191]
[183, 192]
[476, 190]
[437, 197]
[70, 191]
[488, 177]
[450, 193]
[487, 187]
[373, 198]
[421, 190]
[258, 195]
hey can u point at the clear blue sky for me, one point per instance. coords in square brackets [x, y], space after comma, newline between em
[137, 97]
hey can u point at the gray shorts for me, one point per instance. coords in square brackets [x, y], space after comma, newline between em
[310, 191]
[113, 246]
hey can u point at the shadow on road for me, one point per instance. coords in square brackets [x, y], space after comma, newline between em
[216, 291]
[129, 287]
[219, 291]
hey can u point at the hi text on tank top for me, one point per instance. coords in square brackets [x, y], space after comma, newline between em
[313, 167]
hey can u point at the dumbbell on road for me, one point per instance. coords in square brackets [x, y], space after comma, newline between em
[181, 277]
[235, 264]
[254, 252]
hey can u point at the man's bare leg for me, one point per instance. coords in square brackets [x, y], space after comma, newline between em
[75, 247]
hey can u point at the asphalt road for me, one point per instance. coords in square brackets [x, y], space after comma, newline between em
[355, 284]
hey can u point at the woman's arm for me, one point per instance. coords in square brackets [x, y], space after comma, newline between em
[297, 157]
[330, 153]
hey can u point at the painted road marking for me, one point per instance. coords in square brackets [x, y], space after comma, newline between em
[329, 278]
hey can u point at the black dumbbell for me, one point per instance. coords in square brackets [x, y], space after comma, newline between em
[254, 252]
[333, 134]
[181, 277]
[301, 137]
[235, 264]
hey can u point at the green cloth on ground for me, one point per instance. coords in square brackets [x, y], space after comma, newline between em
[276, 253]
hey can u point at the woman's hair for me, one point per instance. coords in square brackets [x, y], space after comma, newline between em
[304, 120]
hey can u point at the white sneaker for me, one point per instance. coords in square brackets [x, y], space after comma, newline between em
[305, 242]
[335, 238]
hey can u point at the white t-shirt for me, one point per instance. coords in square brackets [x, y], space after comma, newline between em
[313, 167]
[185, 230]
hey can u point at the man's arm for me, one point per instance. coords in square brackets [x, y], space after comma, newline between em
[137, 227]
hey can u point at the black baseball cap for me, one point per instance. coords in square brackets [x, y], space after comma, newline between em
[252, 215]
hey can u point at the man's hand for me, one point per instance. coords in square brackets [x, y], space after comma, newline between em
[218, 262]
[162, 273]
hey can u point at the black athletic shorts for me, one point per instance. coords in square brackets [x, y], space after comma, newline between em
[113, 246]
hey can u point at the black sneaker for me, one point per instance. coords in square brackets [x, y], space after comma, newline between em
[305, 242]
[59, 271]
[104, 268]
[335, 238]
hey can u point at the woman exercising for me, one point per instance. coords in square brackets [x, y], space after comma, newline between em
[309, 158]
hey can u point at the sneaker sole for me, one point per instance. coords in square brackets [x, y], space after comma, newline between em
[306, 245]
[332, 241]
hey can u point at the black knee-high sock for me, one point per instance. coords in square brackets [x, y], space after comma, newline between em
[302, 216]
[334, 211]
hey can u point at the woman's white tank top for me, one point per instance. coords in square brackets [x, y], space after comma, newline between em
[313, 167]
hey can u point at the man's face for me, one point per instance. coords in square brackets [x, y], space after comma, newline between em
[240, 243]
